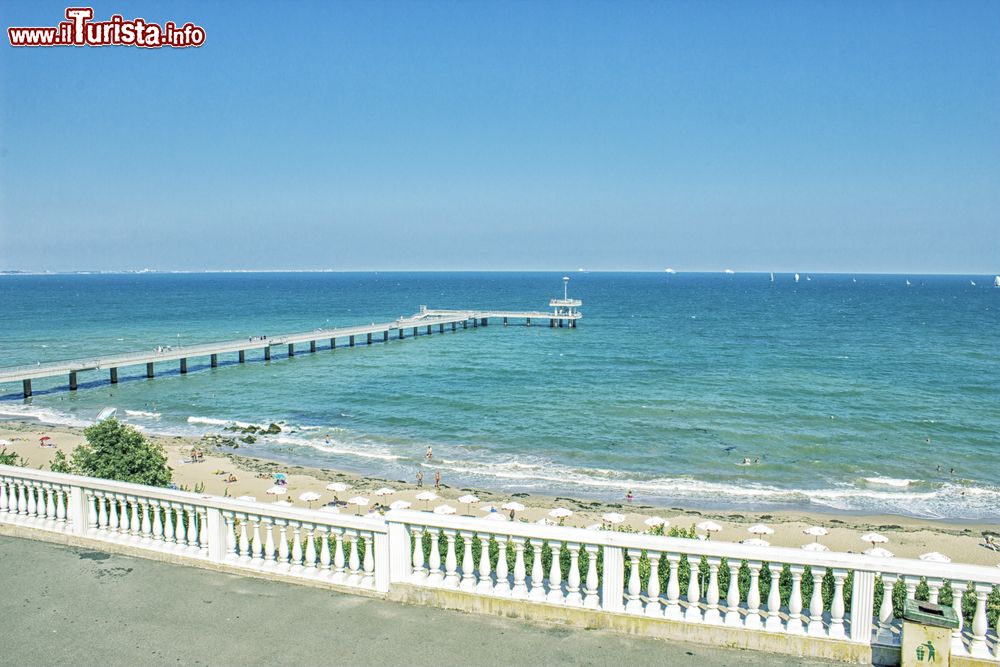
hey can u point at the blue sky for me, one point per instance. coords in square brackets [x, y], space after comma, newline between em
[819, 136]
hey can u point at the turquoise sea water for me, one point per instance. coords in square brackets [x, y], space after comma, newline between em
[851, 390]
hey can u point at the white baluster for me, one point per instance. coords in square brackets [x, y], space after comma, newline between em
[732, 617]
[338, 557]
[354, 562]
[368, 564]
[653, 606]
[147, 524]
[837, 605]
[815, 627]
[112, 513]
[502, 587]
[673, 609]
[520, 589]
[435, 576]
[169, 536]
[92, 519]
[192, 528]
[134, 524]
[795, 626]
[633, 604]
[12, 497]
[978, 648]
[257, 546]
[885, 635]
[934, 589]
[310, 547]
[450, 561]
[21, 503]
[282, 543]
[50, 503]
[773, 620]
[3, 495]
[61, 504]
[537, 580]
[555, 594]
[468, 575]
[592, 600]
[123, 517]
[244, 539]
[911, 587]
[31, 505]
[712, 614]
[693, 611]
[573, 597]
[270, 553]
[485, 583]
[157, 522]
[297, 555]
[419, 573]
[957, 641]
[753, 620]
[231, 542]
[203, 537]
[324, 550]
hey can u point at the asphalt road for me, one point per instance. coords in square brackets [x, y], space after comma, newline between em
[70, 606]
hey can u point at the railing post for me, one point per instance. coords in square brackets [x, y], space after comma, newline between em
[79, 510]
[863, 606]
[383, 560]
[216, 536]
[398, 554]
[613, 585]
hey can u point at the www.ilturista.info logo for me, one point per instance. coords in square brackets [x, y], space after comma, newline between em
[80, 30]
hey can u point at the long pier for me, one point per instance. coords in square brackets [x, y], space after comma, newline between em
[422, 323]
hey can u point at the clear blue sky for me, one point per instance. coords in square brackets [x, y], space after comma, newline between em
[819, 136]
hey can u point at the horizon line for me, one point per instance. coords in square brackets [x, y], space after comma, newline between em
[23, 272]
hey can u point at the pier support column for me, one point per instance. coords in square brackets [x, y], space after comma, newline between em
[333, 343]
[527, 321]
[149, 370]
[415, 331]
[400, 334]
[312, 346]
[214, 360]
[291, 349]
[485, 322]
[572, 323]
[72, 381]
[475, 322]
[26, 386]
[267, 353]
[552, 322]
[184, 365]
[114, 376]
[505, 321]
[429, 329]
[369, 338]
[385, 336]
[243, 356]
[560, 324]
[453, 325]
[351, 341]
[441, 328]
[465, 324]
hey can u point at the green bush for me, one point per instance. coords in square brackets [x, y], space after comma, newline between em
[118, 451]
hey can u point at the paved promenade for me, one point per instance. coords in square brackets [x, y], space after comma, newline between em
[71, 606]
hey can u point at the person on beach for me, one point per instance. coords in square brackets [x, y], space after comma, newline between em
[430, 454]
[420, 479]
[437, 479]
[629, 495]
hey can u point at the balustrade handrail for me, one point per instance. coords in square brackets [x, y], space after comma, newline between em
[372, 524]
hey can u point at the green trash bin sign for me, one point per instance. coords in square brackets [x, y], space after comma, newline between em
[927, 634]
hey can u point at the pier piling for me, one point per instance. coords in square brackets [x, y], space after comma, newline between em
[485, 321]
[184, 365]
[291, 349]
[333, 343]
[552, 323]
[400, 334]
[26, 386]
[441, 328]
[505, 321]
[369, 338]
[385, 336]
[114, 376]
[149, 370]
[243, 356]
[350, 341]
[312, 346]
[415, 331]
[428, 330]
[267, 353]
[214, 360]
[72, 381]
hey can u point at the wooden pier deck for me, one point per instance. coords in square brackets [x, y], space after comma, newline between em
[422, 323]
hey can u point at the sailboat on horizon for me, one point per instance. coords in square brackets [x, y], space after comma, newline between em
[796, 277]
[996, 281]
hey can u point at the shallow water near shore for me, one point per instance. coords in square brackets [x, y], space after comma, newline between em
[851, 394]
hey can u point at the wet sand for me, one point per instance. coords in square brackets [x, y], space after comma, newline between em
[908, 537]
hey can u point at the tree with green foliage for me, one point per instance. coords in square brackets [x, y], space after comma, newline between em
[118, 451]
[12, 459]
[60, 463]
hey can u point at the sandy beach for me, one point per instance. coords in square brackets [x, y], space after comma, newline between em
[908, 537]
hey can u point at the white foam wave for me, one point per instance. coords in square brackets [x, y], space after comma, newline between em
[334, 447]
[142, 413]
[44, 415]
[212, 421]
[891, 481]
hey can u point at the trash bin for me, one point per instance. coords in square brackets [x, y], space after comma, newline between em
[927, 634]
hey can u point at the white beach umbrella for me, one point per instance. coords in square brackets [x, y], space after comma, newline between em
[513, 505]
[561, 513]
[495, 516]
[709, 527]
[879, 552]
[277, 491]
[468, 499]
[359, 501]
[756, 542]
[816, 531]
[874, 538]
[444, 509]
[760, 529]
[310, 497]
[426, 497]
[400, 505]
[282, 503]
[4, 443]
[384, 491]
[655, 521]
[250, 499]
[338, 487]
[815, 546]
[613, 517]
[935, 557]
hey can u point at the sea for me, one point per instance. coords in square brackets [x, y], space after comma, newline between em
[846, 393]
